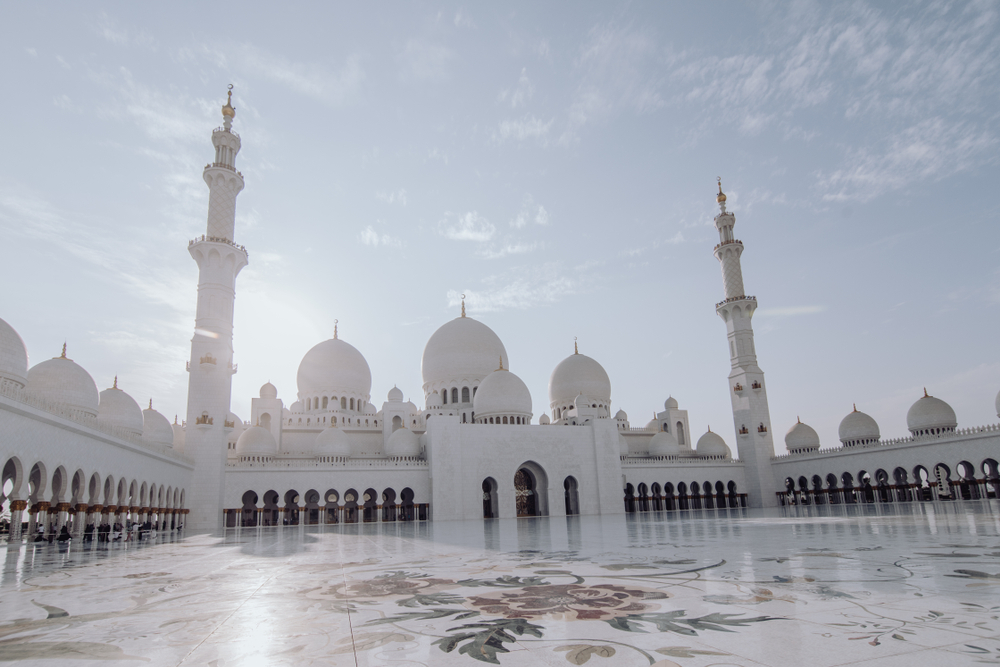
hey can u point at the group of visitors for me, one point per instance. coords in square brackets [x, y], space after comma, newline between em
[131, 531]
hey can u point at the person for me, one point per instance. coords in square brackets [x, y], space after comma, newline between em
[88, 533]
[40, 535]
[64, 535]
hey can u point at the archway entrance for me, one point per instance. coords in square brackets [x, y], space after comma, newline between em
[571, 496]
[490, 504]
[524, 492]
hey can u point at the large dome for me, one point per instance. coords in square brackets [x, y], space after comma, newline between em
[712, 446]
[156, 429]
[857, 428]
[256, 441]
[61, 380]
[502, 393]
[332, 442]
[578, 374]
[116, 408]
[403, 442]
[663, 444]
[13, 356]
[801, 437]
[462, 350]
[930, 416]
[334, 367]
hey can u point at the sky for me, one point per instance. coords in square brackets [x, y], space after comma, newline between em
[555, 162]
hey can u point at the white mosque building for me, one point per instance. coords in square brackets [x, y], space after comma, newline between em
[73, 455]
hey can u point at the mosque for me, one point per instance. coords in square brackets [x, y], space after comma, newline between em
[73, 455]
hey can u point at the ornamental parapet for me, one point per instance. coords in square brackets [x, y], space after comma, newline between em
[332, 462]
[217, 239]
[728, 243]
[957, 434]
[735, 298]
[640, 461]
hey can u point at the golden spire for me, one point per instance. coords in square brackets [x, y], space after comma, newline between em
[463, 308]
[855, 407]
[115, 385]
[925, 393]
[798, 419]
[721, 199]
[501, 364]
[228, 110]
[709, 428]
[63, 355]
[150, 404]
[576, 350]
[335, 322]
[175, 421]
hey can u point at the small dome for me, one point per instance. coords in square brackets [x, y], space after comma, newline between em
[296, 407]
[156, 429]
[711, 445]
[652, 425]
[575, 375]
[268, 391]
[857, 428]
[621, 416]
[61, 380]
[670, 403]
[116, 408]
[544, 420]
[502, 393]
[334, 367]
[930, 416]
[623, 449]
[256, 441]
[370, 409]
[332, 442]
[13, 356]
[664, 444]
[395, 395]
[403, 442]
[463, 349]
[801, 437]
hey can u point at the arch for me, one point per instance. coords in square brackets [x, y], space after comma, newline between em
[326, 402]
[991, 474]
[465, 394]
[669, 500]
[695, 495]
[389, 504]
[680, 433]
[629, 498]
[642, 491]
[571, 495]
[343, 402]
[682, 496]
[657, 496]
[351, 498]
[109, 489]
[942, 478]
[734, 495]
[454, 394]
[249, 509]
[491, 499]
[817, 490]
[882, 491]
[13, 472]
[922, 483]
[59, 484]
[720, 495]
[408, 506]
[292, 500]
[707, 498]
[531, 490]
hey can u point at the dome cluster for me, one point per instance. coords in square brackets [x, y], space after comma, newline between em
[334, 372]
[578, 375]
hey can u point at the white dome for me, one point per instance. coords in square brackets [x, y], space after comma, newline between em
[403, 442]
[463, 349]
[395, 395]
[711, 445]
[256, 441]
[622, 445]
[268, 391]
[334, 367]
[652, 425]
[857, 428]
[61, 380]
[578, 374]
[156, 428]
[664, 444]
[502, 393]
[670, 403]
[332, 442]
[13, 356]
[296, 407]
[930, 415]
[544, 420]
[369, 409]
[116, 408]
[621, 415]
[801, 437]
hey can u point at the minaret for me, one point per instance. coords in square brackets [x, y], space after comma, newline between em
[211, 366]
[746, 381]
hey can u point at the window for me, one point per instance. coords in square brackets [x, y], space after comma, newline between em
[465, 394]
[454, 394]
[444, 397]
[352, 404]
[343, 403]
[504, 420]
[325, 401]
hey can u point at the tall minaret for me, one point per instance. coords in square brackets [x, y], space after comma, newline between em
[746, 380]
[211, 367]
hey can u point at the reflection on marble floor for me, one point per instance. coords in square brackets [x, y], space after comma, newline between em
[830, 585]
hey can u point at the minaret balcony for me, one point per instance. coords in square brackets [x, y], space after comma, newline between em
[204, 421]
[756, 386]
[738, 388]
[762, 428]
[728, 243]
[217, 239]
[735, 298]
[222, 165]
[744, 431]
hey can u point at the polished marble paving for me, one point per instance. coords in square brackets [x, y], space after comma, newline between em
[913, 584]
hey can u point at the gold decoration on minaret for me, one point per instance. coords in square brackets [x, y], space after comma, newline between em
[115, 385]
[63, 355]
[228, 110]
[721, 199]
[576, 350]
[463, 305]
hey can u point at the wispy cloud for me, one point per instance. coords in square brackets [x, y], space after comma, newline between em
[463, 20]
[531, 212]
[520, 288]
[112, 31]
[398, 196]
[655, 243]
[467, 227]
[422, 61]
[368, 236]
[526, 127]
[520, 94]
[509, 249]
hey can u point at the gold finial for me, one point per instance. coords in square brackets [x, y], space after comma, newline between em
[576, 350]
[721, 199]
[63, 355]
[150, 404]
[855, 407]
[463, 308]
[175, 421]
[925, 393]
[709, 428]
[228, 110]
[335, 322]
[501, 364]
[115, 385]
[798, 419]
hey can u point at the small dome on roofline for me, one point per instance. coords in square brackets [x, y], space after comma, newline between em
[857, 428]
[332, 442]
[256, 441]
[156, 429]
[801, 438]
[664, 444]
[13, 356]
[930, 416]
[403, 442]
[268, 391]
[712, 446]
[118, 409]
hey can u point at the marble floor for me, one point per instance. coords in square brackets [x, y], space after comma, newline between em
[821, 586]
